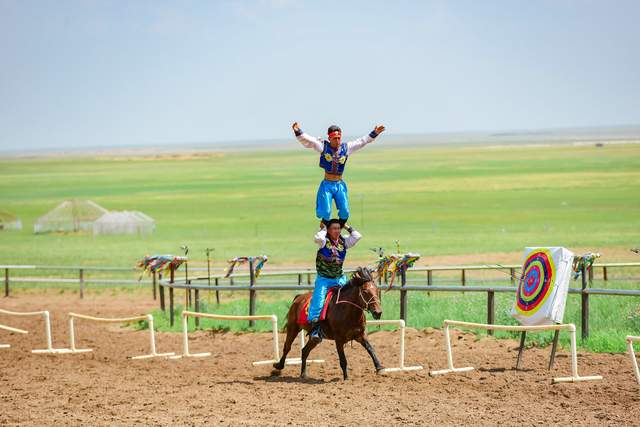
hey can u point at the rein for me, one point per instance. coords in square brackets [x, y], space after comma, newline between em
[366, 303]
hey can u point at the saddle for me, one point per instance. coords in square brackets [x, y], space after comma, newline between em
[303, 315]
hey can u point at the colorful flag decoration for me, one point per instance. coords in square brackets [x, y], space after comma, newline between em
[257, 267]
[394, 263]
[160, 263]
[543, 287]
[585, 260]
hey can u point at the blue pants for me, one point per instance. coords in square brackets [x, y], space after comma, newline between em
[328, 191]
[320, 293]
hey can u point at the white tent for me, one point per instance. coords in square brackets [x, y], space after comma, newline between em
[70, 216]
[124, 222]
[8, 221]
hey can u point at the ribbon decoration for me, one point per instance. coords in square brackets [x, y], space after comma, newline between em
[257, 268]
[394, 263]
[159, 263]
[584, 260]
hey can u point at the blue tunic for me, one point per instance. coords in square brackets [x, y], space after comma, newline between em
[332, 161]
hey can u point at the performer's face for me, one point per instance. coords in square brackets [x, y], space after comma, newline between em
[334, 139]
[334, 231]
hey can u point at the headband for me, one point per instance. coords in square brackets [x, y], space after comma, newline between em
[335, 133]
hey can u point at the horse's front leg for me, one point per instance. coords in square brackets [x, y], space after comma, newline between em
[311, 344]
[367, 345]
[343, 359]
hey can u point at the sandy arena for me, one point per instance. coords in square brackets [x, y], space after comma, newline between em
[104, 388]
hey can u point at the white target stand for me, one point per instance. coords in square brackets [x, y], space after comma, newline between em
[575, 377]
[11, 329]
[147, 317]
[47, 330]
[632, 354]
[401, 326]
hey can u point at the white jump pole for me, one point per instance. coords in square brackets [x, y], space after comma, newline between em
[47, 330]
[401, 326]
[14, 330]
[185, 333]
[147, 317]
[632, 354]
[569, 326]
[298, 360]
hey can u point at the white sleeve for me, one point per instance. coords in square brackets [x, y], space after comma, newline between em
[353, 238]
[310, 142]
[353, 146]
[321, 237]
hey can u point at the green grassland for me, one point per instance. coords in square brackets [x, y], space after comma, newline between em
[434, 200]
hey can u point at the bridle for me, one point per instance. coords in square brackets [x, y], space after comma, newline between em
[366, 302]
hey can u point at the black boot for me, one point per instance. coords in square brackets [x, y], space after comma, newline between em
[316, 331]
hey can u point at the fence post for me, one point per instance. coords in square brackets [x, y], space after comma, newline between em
[591, 276]
[161, 290]
[490, 310]
[81, 283]
[6, 282]
[512, 273]
[308, 278]
[463, 279]
[299, 279]
[429, 280]
[217, 293]
[585, 304]
[604, 273]
[171, 280]
[197, 304]
[155, 285]
[252, 293]
[403, 295]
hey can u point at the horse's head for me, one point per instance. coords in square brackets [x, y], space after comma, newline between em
[363, 280]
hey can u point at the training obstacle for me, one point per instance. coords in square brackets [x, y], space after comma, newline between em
[147, 317]
[632, 354]
[47, 330]
[293, 360]
[401, 326]
[11, 329]
[568, 326]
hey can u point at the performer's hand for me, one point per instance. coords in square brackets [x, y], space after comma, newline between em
[379, 129]
[295, 127]
[322, 226]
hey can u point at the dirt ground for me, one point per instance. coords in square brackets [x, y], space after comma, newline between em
[105, 388]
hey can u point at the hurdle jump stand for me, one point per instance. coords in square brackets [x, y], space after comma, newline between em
[632, 354]
[14, 330]
[575, 377]
[47, 330]
[147, 317]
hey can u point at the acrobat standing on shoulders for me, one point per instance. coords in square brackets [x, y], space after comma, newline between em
[333, 158]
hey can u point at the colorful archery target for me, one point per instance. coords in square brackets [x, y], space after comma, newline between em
[543, 286]
[536, 282]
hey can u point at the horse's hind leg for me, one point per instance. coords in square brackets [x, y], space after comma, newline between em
[367, 345]
[311, 344]
[343, 359]
[292, 332]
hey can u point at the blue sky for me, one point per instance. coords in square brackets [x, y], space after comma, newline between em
[103, 73]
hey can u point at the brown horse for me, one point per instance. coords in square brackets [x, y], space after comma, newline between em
[345, 320]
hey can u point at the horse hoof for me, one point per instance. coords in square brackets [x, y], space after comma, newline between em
[278, 366]
[276, 372]
[379, 371]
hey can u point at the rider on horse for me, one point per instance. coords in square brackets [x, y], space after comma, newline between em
[329, 260]
[333, 159]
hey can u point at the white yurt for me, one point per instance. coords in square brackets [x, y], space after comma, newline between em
[70, 216]
[124, 222]
[9, 221]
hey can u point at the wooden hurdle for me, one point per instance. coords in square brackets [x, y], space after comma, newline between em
[14, 330]
[632, 354]
[569, 327]
[47, 330]
[401, 326]
[147, 317]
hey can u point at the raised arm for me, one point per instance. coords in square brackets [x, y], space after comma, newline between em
[353, 237]
[321, 237]
[353, 146]
[307, 141]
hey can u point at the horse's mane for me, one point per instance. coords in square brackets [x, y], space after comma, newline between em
[360, 276]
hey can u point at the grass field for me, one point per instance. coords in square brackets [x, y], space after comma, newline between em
[436, 201]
